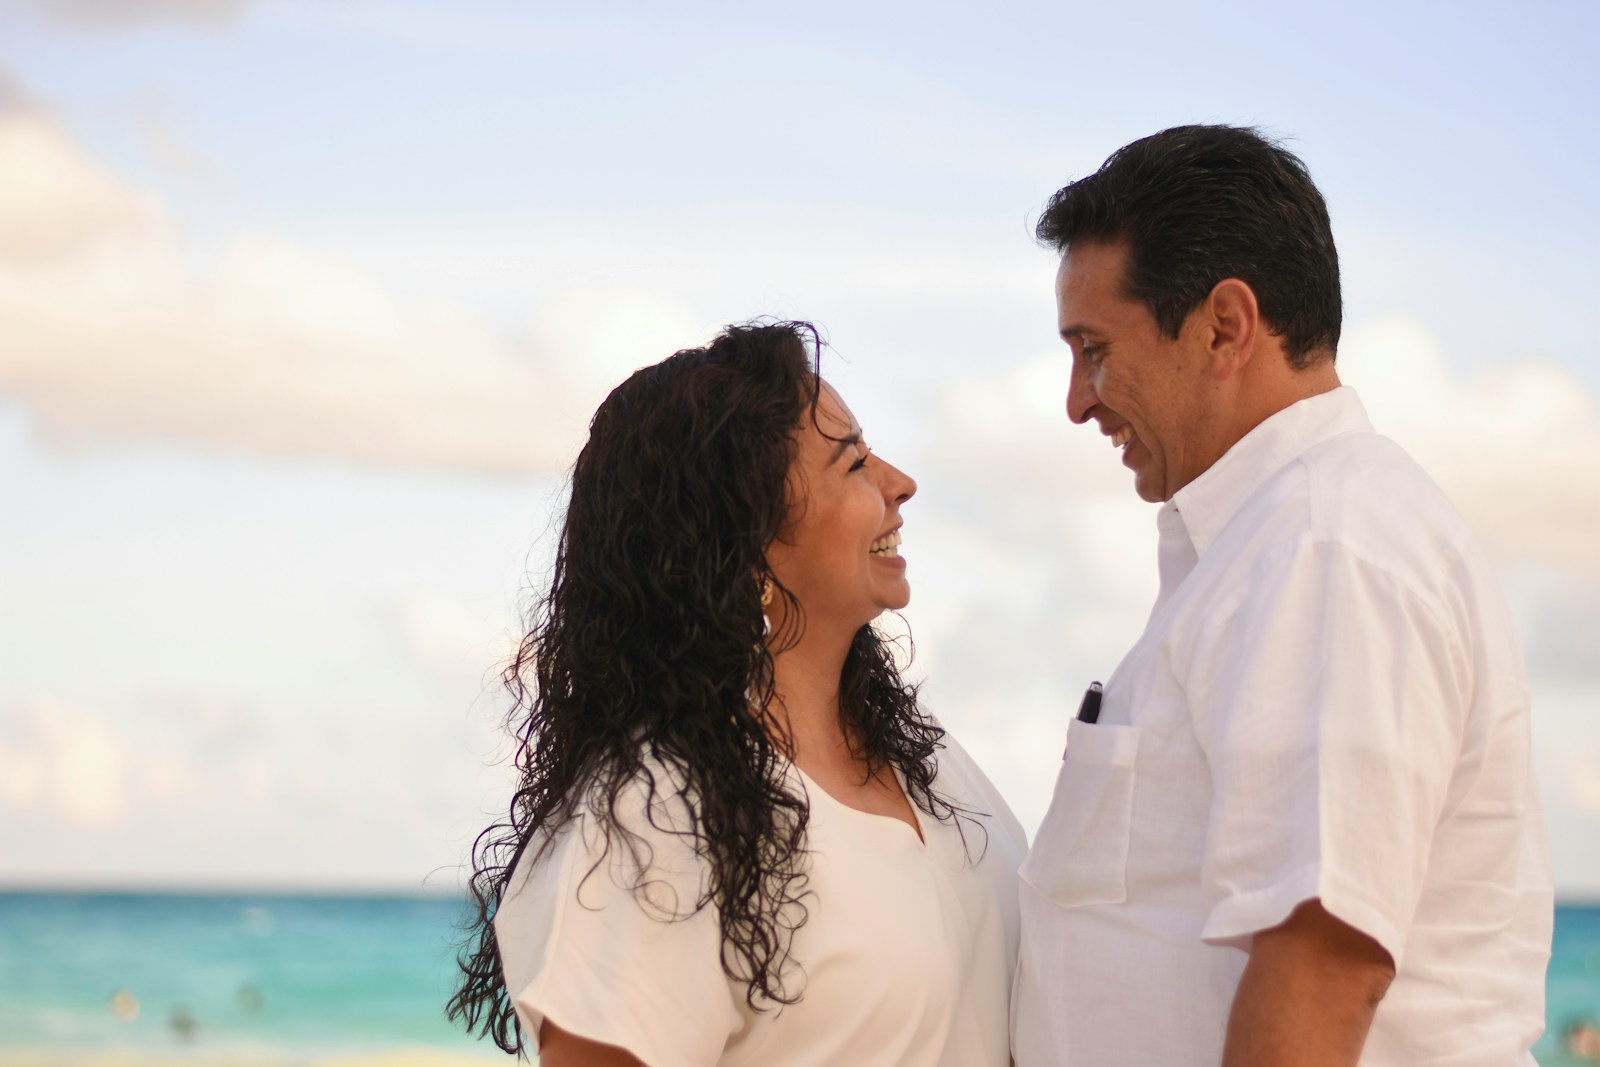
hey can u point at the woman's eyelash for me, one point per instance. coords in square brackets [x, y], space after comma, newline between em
[862, 462]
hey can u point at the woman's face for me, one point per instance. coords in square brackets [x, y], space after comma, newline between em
[840, 554]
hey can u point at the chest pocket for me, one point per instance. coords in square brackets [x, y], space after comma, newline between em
[1080, 855]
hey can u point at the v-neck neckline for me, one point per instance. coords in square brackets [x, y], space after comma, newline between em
[919, 832]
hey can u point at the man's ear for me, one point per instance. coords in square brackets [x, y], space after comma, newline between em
[1231, 322]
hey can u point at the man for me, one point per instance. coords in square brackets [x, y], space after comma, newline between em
[1302, 829]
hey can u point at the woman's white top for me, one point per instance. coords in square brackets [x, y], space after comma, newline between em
[905, 957]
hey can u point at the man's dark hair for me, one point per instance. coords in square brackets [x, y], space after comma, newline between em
[1197, 204]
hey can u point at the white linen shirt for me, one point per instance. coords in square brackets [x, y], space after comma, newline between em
[906, 956]
[1327, 702]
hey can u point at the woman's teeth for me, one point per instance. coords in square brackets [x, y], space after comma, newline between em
[1120, 437]
[887, 545]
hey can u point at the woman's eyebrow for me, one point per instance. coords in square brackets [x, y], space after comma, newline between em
[841, 444]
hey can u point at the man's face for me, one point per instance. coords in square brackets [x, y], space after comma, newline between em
[1150, 395]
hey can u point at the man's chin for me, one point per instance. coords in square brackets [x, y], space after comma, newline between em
[1149, 492]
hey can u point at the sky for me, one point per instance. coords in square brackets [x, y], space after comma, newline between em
[304, 308]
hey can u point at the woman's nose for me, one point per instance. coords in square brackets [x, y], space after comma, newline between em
[900, 486]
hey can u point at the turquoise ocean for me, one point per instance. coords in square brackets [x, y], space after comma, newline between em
[124, 978]
[137, 978]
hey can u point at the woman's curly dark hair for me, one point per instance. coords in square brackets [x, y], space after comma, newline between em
[649, 649]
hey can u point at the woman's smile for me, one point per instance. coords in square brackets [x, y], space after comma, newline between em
[887, 547]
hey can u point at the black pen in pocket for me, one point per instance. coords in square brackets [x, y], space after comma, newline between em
[1089, 710]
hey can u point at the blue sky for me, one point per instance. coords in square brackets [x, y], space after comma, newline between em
[307, 306]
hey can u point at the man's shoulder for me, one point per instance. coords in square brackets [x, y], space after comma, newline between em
[1359, 497]
[1364, 491]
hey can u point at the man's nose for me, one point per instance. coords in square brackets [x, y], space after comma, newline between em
[1081, 397]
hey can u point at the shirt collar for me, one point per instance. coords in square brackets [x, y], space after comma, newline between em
[1205, 505]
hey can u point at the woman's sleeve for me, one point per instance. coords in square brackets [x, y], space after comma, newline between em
[608, 954]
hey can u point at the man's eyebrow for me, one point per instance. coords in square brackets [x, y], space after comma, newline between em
[841, 444]
[1074, 331]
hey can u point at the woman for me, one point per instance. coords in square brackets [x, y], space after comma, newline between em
[737, 839]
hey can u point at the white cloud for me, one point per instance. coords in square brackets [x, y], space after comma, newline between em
[22, 775]
[155, 125]
[1567, 765]
[103, 15]
[65, 759]
[455, 639]
[1516, 448]
[1583, 781]
[53, 200]
[277, 348]
[188, 789]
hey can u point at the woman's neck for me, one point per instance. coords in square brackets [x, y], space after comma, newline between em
[806, 690]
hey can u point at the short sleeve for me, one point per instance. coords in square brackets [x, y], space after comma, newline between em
[600, 952]
[1331, 713]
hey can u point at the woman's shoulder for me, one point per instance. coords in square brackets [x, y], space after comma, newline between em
[649, 799]
[608, 927]
[627, 835]
[961, 780]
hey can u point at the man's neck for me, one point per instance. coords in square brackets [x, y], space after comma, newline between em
[1270, 385]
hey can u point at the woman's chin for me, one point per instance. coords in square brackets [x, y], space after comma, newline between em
[897, 601]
